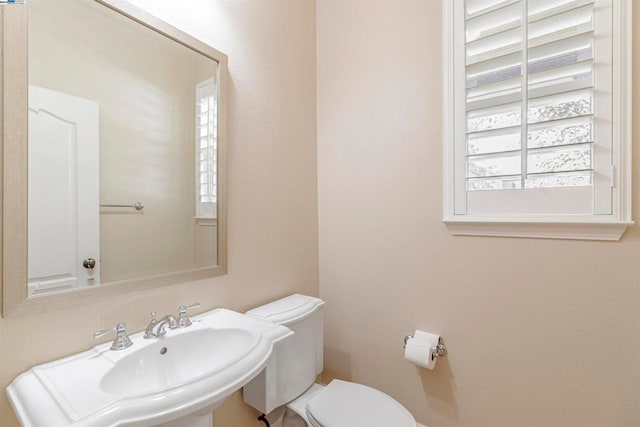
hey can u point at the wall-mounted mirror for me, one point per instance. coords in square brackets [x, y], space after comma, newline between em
[122, 118]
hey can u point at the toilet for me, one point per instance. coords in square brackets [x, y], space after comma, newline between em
[286, 388]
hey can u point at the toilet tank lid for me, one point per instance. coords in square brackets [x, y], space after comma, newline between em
[287, 310]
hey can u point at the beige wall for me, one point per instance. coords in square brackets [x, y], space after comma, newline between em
[272, 189]
[539, 332]
[146, 94]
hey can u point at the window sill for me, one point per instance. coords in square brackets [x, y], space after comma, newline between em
[538, 228]
[206, 221]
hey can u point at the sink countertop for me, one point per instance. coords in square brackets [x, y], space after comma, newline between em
[70, 391]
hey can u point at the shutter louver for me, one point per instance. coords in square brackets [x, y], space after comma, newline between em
[206, 149]
[529, 126]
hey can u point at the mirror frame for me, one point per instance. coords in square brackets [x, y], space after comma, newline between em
[13, 164]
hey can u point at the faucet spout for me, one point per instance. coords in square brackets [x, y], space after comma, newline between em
[161, 328]
[158, 328]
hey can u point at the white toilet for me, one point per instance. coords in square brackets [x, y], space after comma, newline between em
[289, 378]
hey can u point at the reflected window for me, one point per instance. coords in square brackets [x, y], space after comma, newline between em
[206, 147]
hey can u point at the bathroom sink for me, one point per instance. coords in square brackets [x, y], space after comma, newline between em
[188, 371]
[176, 360]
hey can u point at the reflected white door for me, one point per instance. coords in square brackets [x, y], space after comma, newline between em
[64, 192]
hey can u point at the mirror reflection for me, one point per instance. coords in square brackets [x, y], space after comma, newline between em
[122, 150]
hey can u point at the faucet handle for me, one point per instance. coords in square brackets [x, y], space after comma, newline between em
[183, 319]
[121, 340]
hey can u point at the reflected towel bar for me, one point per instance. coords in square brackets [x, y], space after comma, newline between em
[137, 206]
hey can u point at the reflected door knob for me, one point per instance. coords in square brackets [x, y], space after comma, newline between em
[89, 263]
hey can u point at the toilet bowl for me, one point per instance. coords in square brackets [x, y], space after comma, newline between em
[288, 380]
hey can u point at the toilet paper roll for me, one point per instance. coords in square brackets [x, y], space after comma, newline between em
[421, 349]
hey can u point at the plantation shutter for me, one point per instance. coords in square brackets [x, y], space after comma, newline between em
[537, 99]
[206, 149]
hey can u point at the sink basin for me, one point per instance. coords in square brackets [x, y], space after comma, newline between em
[188, 371]
[176, 360]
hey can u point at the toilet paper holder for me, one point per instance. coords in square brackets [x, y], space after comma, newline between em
[441, 350]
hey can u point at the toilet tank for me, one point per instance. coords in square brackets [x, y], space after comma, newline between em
[297, 360]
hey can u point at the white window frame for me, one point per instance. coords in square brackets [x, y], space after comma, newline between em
[205, 210]
[594, 226]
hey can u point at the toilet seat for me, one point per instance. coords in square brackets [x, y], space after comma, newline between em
[345, 404]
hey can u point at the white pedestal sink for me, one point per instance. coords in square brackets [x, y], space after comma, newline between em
[175, 380]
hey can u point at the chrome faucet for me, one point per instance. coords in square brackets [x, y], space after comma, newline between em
[161, 327]
[183, 319]
[157, 328]
[121, 340]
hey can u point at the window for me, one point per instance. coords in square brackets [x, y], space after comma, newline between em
[206, 149]
[537, 126]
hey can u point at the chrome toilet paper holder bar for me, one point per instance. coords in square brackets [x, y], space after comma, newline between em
[441, 350]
